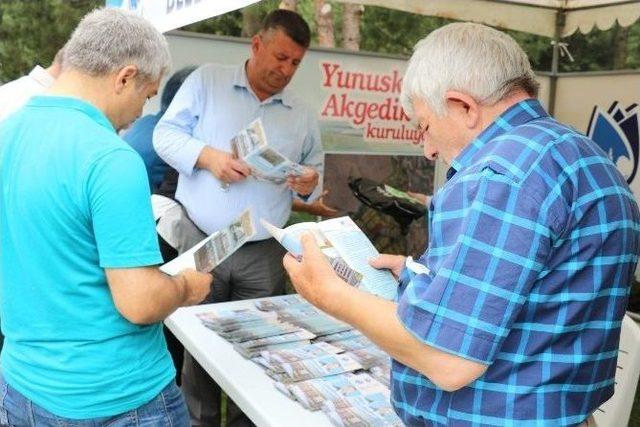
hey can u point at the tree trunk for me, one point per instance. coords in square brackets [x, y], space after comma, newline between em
[289, 5]
[324, 20]
[620, 38]
[251, 23]
[351, 26]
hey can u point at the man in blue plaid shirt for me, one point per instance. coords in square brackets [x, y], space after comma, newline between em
[513, 315]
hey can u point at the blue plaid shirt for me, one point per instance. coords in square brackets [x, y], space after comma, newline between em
[533, 244]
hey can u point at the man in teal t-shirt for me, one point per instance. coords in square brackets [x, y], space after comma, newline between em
[81, 300]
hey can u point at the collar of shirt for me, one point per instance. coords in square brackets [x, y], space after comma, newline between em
[241, 80]
[42, 77]
[73, 104]
[517, 114]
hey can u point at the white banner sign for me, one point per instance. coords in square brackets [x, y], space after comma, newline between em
[171, 14]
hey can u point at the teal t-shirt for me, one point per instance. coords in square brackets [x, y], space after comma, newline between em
[75, 200]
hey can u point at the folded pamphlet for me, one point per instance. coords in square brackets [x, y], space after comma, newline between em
[348, 249]
[361, 412]
[266, 163]
[211, 251]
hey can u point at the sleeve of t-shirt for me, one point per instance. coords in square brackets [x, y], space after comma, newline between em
[490, 244]
[120, 204]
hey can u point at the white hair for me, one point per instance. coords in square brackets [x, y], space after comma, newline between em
[470, 58]
[109, 39]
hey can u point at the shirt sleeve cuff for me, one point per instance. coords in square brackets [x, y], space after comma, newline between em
[189, 156]
[445, 335]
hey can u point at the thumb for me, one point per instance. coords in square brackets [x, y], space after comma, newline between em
[377, 262]
[309, 245]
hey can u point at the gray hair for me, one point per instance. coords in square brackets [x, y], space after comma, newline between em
[471, 58]
[108, 39]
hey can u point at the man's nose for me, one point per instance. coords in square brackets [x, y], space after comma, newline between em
[429, 151]
[288, 69]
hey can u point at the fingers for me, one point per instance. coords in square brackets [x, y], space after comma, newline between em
[290, 263]
[240, 167]
[232, 175]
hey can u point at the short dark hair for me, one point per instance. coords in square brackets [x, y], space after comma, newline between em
[291, 23]
[172, 86]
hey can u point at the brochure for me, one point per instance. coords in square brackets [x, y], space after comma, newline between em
[266, 163]
[348, 248]
[390, 191]
[253, 348]
[301, 353]
[211, 251]
[279, 303]
[318, 367]
[361, 412]
[313, 393]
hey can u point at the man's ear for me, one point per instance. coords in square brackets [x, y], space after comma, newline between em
[125, 77]
[464, 106]
[255, 43]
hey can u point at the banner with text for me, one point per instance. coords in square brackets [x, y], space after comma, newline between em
[170, 14]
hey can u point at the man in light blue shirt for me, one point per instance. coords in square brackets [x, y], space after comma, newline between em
[81, 300]
[193, 136]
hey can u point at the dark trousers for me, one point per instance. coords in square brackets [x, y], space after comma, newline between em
[254, 271]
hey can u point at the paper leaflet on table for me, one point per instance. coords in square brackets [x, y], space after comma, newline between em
[214, 249]
[346, 246]
[266, 163]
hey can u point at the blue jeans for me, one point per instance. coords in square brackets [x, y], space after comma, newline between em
[167, 409]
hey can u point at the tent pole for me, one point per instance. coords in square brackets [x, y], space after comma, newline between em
[555, 60]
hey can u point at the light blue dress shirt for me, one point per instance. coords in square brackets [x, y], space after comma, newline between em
[213, 104]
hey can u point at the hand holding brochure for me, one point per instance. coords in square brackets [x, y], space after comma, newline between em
[250, 145]
[347, 248]
[211, 251]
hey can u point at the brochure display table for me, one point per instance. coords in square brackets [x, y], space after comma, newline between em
[244, 381]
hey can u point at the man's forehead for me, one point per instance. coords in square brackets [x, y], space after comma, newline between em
[278, 39]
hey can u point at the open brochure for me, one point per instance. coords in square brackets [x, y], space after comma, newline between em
[347, 248]
[211, 251]
[266, 163]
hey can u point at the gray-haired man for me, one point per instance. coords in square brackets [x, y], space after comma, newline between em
[81, 298]
[512, 316]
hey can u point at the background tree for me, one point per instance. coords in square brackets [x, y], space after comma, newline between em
[32, 31]
[351, 16]
[289, 5]
[324, 21]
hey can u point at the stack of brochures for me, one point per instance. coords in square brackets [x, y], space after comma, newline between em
[316, 360]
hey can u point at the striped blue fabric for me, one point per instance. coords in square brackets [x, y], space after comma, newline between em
[533, 242]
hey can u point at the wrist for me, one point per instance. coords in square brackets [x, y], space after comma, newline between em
[337, 297]
[181, 285]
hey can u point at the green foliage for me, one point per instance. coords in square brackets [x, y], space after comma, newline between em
[32, 31]
[229, 24]
[597, 49]
[393, 31]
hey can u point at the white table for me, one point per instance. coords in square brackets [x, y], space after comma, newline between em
[243, 381]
